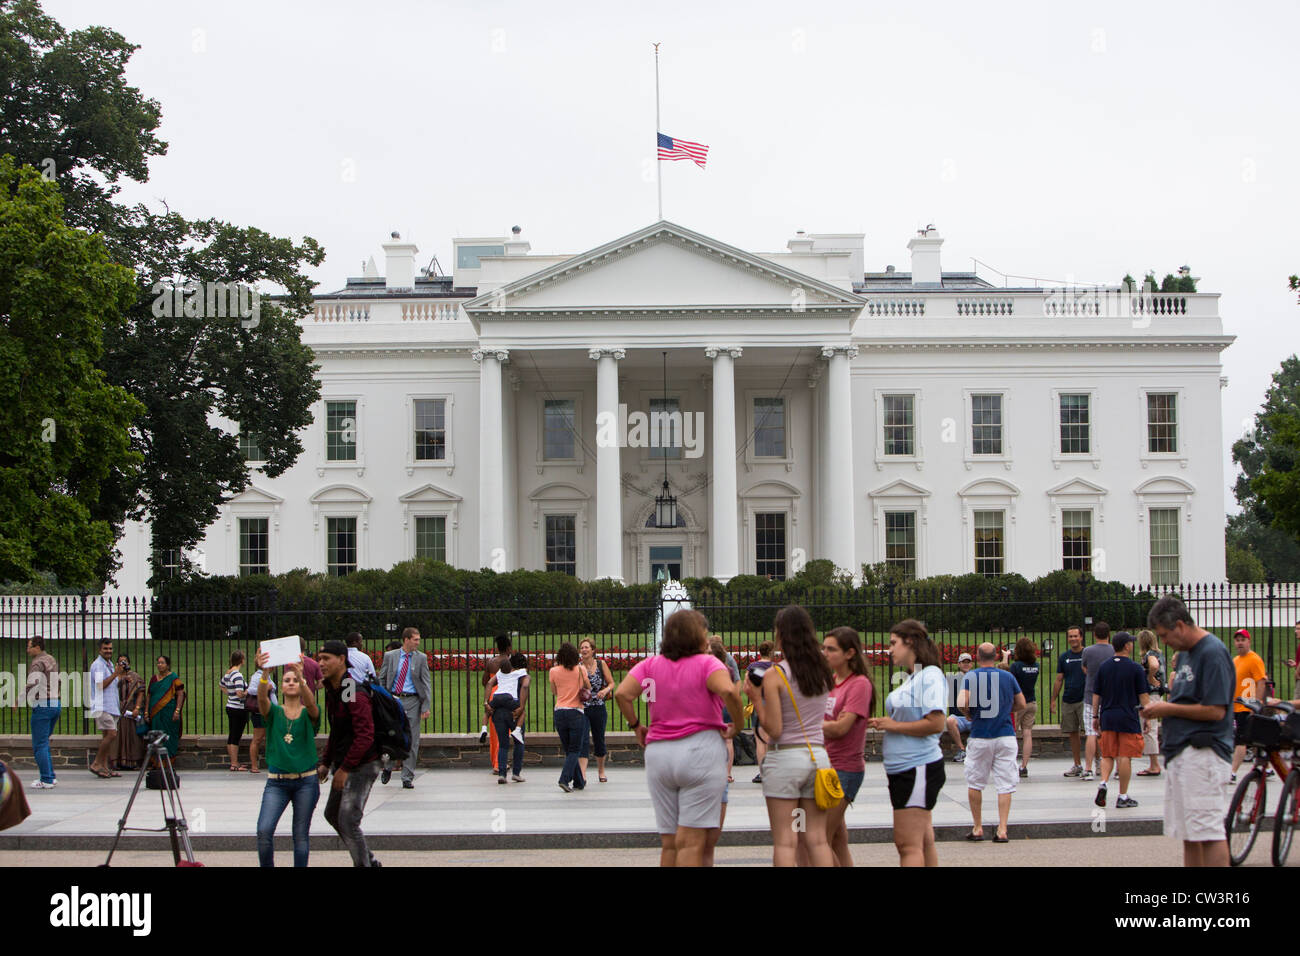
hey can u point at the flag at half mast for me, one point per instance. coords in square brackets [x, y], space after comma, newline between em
[673, 149]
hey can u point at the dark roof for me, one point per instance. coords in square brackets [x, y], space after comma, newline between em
[902, 282]
[426, 287]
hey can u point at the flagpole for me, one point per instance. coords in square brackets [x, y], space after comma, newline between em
[658, 167]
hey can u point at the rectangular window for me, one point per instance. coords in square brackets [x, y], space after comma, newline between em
[341, 558]
[249, 446]
[990, 543]
[254, 546]
[168, 562]
[986, 424]
[665, 428]
[769, 428]
[1076, 540]
[430, 429]
[1164, 546]
[562, 544]
[900, 425]
[1162, 423]
[1076, 425]
[769, 553]
[341, 431]
[557, 430]
[900, 542]
[431, 537]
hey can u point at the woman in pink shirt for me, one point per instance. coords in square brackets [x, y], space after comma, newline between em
[685, 757]
[568, 681]
[845, 729]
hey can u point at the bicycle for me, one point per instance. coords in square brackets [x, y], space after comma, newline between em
[1288, 805]
[1249, 803]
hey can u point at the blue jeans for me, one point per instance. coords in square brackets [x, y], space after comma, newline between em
[503, 720]
[303, 793]
[569, 724]
[44, 717]
[593, 731]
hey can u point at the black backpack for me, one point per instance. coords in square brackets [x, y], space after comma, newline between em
[392, 730]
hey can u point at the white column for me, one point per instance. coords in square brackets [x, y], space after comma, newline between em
[609, 497]
[492, 550]
[723, 532]
[837, 460]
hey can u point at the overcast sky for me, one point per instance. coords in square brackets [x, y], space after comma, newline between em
[1078, 143]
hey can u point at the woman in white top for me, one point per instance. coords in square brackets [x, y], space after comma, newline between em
[790, 708]
[505, 710]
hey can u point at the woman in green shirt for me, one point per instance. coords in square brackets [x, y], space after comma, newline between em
[290, 761]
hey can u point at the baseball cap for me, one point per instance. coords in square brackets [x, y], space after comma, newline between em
[337, 648]
[1242, 632]
[1120, 639]
[964, 657]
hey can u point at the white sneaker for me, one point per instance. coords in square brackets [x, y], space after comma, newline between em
[1086, 775]
[42, 785]
[517, 734]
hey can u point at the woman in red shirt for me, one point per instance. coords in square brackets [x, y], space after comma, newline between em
[845, 729]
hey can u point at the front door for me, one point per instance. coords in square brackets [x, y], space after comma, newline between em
[665, 562]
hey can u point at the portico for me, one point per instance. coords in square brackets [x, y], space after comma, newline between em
[733, 326]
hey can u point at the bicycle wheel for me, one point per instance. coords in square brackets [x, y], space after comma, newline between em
[1288, 814]
[1245, 815]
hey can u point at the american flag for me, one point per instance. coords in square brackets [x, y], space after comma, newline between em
[670, 148]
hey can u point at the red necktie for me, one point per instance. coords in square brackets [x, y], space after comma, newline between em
[401, 675]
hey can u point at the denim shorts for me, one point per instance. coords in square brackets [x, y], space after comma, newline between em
[851, 781]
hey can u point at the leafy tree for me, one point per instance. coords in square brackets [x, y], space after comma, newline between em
[1243, 567]
[66, 109]
[65, 427]
[1269, 485]
[1277, 551]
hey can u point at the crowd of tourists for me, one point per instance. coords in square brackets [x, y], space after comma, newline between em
[808, 704]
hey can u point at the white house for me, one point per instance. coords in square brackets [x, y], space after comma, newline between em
[925, 418]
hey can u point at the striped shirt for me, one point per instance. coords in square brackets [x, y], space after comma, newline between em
[233, 683]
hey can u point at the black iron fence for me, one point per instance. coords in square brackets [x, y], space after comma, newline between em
[199, 636]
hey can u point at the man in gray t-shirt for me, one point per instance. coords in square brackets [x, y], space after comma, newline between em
[1094, 656]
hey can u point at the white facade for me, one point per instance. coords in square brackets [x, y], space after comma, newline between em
[988, 373]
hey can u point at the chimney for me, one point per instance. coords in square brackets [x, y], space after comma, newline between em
[399, 263]
[801, 243]
[516, 246]
[925, 258]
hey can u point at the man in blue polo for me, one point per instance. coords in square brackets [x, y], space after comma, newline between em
[988, 697]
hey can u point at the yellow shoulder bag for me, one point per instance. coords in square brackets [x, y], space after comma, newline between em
[827, 785]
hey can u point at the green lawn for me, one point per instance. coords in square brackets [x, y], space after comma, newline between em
[458, 694]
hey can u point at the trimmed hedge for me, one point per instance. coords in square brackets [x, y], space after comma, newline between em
[446, 602]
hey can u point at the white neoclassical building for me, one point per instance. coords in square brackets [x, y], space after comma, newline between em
[508, 415]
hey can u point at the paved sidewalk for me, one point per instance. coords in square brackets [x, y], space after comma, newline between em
[467, 809]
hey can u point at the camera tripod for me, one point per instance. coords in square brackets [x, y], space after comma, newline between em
[173, 813]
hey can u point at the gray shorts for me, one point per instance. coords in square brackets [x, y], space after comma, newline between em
[687, 777]
[788, 771]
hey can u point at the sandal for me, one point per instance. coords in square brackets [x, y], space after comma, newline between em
[114, 773]
[974, 837]
[1002, 839]
[1148, 773]
[253, 770]
[603, 779]
[238, 769]
[100, 773]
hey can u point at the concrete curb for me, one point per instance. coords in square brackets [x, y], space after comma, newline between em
[547, 841]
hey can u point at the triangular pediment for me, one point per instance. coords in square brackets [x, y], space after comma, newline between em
[252, 495]
[663, 267]
[427, 494]
[899, 488]
[1077, 486]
